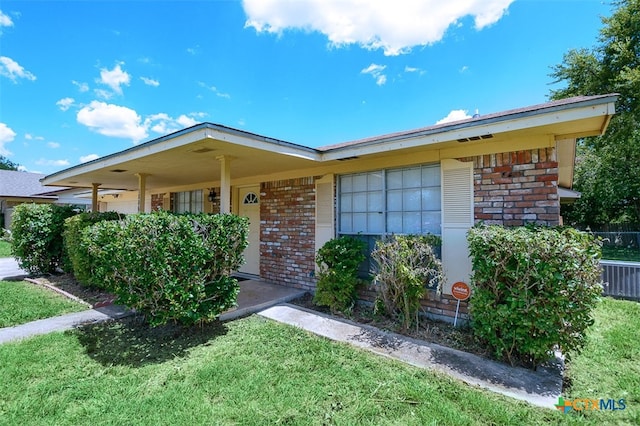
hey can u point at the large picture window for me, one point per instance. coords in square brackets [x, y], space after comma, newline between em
[188, 202]
[400, 201]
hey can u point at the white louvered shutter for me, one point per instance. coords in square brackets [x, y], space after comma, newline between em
[324, 210]
[457, 218]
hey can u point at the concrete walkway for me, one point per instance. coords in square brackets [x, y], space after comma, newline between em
[9, 269]
[542, 387]
[61, 323]
[254, 296]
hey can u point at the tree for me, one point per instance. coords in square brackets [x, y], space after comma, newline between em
[608, 166]
[6, 164]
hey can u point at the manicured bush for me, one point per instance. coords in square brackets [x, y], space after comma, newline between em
[534, 289]
[36, 231]
[406, 265]
[77, 259]
[170, 267]
[338, 261]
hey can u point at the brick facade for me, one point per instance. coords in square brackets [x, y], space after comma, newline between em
[516, 188]
[157, 202]
[510, 189]
[287, 232]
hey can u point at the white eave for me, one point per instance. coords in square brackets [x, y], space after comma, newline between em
[493, 124]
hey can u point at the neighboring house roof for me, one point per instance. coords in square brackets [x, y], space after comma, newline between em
[20, 184]
[190, 155]
[26, 185]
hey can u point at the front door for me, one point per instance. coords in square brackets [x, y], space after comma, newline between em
[249, 198]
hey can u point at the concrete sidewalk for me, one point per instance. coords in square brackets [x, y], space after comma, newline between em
[61, 323]
[254, 296]
[9, 269]
[541, 387]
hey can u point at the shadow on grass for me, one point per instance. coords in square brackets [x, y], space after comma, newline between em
[132, 342]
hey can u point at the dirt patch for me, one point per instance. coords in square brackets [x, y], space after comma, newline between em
[68, 284]
[438, 332]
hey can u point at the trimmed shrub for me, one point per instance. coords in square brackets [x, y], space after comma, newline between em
[406, 266]
[36, 231]
[534, 290]
[338, 262]
[77, 259]
[170, 267]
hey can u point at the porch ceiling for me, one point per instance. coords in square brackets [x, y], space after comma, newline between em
[186, 165]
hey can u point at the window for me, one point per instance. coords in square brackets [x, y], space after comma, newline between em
[394, 201]
[188, 202]
[400, 201]
[251, 198]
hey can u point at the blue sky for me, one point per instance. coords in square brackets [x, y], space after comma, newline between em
[84, 79]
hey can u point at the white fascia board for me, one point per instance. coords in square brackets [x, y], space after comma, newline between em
[472, 129]
[133, 153]
[170, 142]
[265, 144]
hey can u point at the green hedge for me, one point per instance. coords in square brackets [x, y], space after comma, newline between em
[36, 236]
[534, 289]
[338, 261]
[170, 267]
[77, 259]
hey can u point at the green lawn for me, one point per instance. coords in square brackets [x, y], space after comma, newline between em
[253, 371]
[5, 249]
[22, 302]
[620, 253]
[608, 366]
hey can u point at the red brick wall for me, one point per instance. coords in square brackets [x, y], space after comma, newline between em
[157, 202]
[515, 188]
[442, 308]
[287, 232]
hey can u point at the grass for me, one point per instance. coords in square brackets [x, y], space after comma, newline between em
[21, 302]
[608, 366]
[5, 249]
[620, 253]
[254, 371]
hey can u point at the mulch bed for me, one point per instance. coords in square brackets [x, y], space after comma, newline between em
[66, 283]
[438, 332]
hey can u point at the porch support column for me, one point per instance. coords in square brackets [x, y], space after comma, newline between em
[94, 196]
[142, 190]
[225, 183]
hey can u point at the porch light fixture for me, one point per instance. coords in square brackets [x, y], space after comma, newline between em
[212, 195]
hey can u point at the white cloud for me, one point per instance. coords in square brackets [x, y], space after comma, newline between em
[49, 162]
[150, 81]
[90, 157]
[6, 135]
[113, 120]
[215, 90]
[65, 103]
[53, 145]
[30, 137]
[5, 20]
[82, 87]
[375, 71]
[115, 78]
[395, 27]
[185, 121]
[464, 69]
[11, 69]
[163, 124]
[103, 94]
[454, 115]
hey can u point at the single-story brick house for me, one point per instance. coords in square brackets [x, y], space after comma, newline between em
[507, 168]
[22, 187]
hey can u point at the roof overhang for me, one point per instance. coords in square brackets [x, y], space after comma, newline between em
[191, 155]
